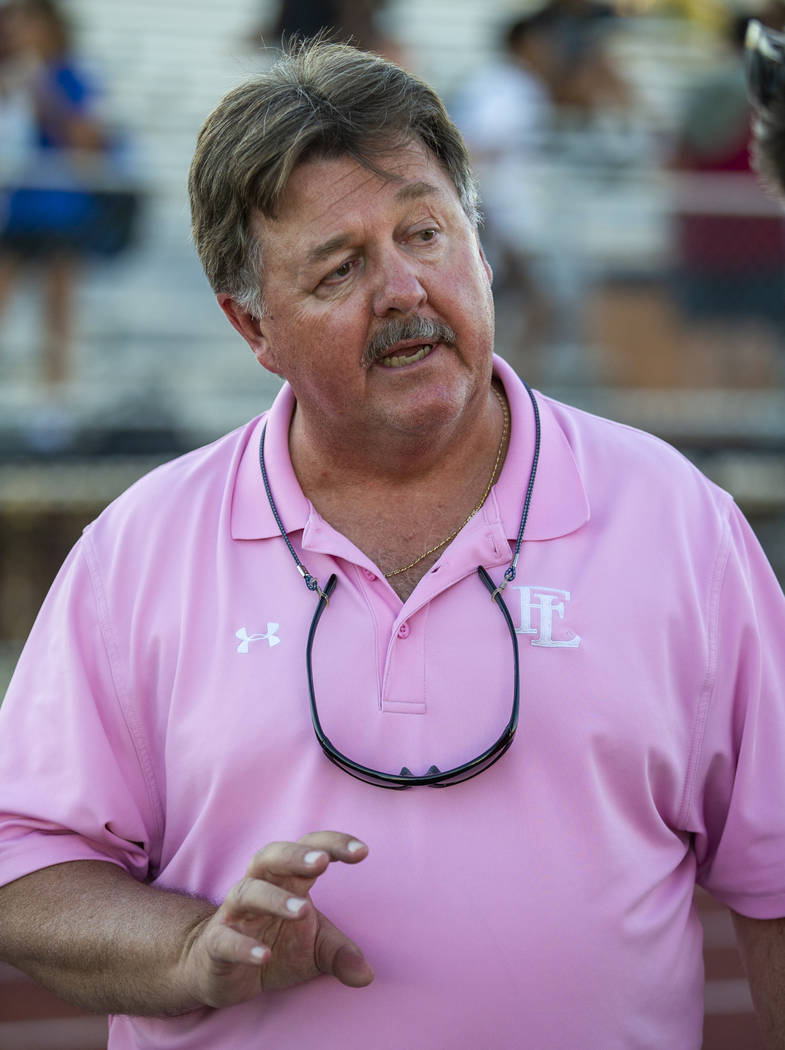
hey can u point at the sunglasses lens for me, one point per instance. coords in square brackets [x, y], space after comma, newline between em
[433, 778]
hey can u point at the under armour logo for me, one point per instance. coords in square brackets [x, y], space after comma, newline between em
[245, 638]
[542, 603]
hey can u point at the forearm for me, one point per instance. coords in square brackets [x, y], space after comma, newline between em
[100, 939]
[109, 944]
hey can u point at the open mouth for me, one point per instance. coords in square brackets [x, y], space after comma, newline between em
[412, 354]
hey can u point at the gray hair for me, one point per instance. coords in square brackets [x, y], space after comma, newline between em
[320, 100]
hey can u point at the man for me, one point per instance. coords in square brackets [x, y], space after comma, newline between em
[350, 551]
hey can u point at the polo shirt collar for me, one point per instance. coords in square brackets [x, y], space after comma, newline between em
[559, 502]
[252, 515]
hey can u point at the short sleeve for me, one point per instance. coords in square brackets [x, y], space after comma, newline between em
[738, 804]
[72, 785]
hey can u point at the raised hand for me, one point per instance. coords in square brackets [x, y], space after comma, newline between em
[268, 934]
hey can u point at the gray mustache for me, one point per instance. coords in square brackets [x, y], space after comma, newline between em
[402, 330]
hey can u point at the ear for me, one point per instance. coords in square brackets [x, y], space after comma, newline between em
[251, 328]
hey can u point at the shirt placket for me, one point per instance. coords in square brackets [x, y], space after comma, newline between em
[403, 680]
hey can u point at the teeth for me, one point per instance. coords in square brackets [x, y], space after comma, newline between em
[399, 361]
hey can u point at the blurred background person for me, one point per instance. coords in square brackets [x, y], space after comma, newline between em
[47, 212]
[585, 76]
[729, 241]
[345, 20]
[505, 113]
[549, 104]
[359, 22]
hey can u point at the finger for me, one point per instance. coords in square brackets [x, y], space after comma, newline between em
[284, 860]
[251, 898]
[345, 848]
[307, 858]
[225, 945]
[336, 954]
[351, 967]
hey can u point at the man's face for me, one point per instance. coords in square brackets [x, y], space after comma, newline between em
[353, 265]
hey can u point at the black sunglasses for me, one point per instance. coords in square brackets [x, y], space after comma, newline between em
[434, 776]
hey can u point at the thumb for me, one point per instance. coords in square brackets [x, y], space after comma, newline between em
[335, 954]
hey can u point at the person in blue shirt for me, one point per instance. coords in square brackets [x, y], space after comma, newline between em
[47, 212]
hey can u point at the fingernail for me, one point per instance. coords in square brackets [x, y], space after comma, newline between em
[295, 905]
[314, 856]
[355, 845]
[258, 953]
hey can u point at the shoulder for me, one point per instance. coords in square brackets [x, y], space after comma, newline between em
[620, 463]
[189, 494]
[597, 440]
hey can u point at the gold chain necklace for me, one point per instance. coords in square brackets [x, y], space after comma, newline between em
[454, 533]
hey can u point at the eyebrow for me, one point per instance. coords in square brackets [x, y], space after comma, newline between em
[412, 191]
[328, 248]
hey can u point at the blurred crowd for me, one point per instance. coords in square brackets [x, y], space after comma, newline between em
[552, 112]
[719, 291]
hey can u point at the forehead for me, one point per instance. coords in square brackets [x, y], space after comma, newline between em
[326, 194]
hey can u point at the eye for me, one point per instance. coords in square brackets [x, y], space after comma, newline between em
[340, 273]
[427, 235]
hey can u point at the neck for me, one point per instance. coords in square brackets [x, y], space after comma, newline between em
[327, 453]
[436, 547]
[402, 509]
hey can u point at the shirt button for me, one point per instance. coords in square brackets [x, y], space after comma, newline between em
[369, 575]
[404, 630]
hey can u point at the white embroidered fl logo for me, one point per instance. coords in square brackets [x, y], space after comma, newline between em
[539, 605]
[245, 638]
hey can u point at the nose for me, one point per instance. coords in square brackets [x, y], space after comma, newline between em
[398, 289]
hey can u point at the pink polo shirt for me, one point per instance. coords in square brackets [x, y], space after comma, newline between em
[159, 719]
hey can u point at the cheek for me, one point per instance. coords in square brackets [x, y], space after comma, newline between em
[340, 329]
[323, 352]
[467, 289]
